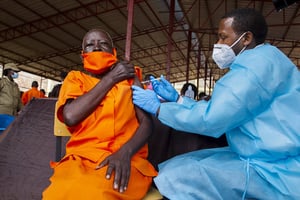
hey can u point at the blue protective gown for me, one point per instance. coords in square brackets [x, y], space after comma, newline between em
[257, 105]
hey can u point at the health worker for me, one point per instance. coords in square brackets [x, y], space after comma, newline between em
[256, 104]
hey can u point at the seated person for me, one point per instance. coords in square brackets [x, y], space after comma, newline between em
[55, 90]
[189, 90]
[203, 96]
[147, 83]
[43, 93]
[106, 156]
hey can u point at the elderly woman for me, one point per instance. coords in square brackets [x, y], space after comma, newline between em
[106, 156]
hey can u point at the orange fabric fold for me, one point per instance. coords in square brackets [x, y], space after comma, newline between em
[90, 183]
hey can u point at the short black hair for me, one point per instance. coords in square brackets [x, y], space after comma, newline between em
[34, 84]
[63, 75]
[248, 19]
[147, 77]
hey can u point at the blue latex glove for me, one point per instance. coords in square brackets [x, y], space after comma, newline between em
[164, 89]
[145, 99]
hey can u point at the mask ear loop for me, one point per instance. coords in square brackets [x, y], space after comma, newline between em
[238, 40]
[243, 49]
[114, 51]
[81, 56]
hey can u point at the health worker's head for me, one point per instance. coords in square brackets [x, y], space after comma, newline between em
[242, 28]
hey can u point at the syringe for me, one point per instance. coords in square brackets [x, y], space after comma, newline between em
[148, 81]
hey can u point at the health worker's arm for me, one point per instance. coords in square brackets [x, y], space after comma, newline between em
[236, 98]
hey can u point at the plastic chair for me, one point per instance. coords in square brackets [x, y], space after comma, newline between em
[5, 121]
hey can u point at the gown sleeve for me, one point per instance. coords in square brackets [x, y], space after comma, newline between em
[236, 98]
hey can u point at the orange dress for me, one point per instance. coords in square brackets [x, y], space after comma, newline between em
[32, 93]
[103, 132]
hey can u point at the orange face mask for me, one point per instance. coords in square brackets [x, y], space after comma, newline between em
[98, 62]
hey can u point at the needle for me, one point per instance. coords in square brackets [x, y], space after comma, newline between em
[148, 81]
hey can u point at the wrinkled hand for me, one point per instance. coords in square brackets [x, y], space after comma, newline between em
[119, 162]
[121, 71]
[164, 89]
[145, 99]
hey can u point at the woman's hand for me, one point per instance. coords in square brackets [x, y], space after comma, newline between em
[118, 162]
[121, 71]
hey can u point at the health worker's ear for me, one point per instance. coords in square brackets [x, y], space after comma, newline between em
[248, 39]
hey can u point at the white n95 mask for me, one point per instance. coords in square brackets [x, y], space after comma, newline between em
[223, 54]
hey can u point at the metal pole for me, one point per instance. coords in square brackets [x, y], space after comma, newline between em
[171, 24]
[205, 74]
[188, 57]
[198, 65]
[129, 29]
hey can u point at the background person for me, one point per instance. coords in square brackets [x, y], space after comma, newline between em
[256, 104]
[55, 90]
[189, 90]
[203, 96]
[10, 101]
[147, 83]
[106, 156]
[43, 93]
[32, 93]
